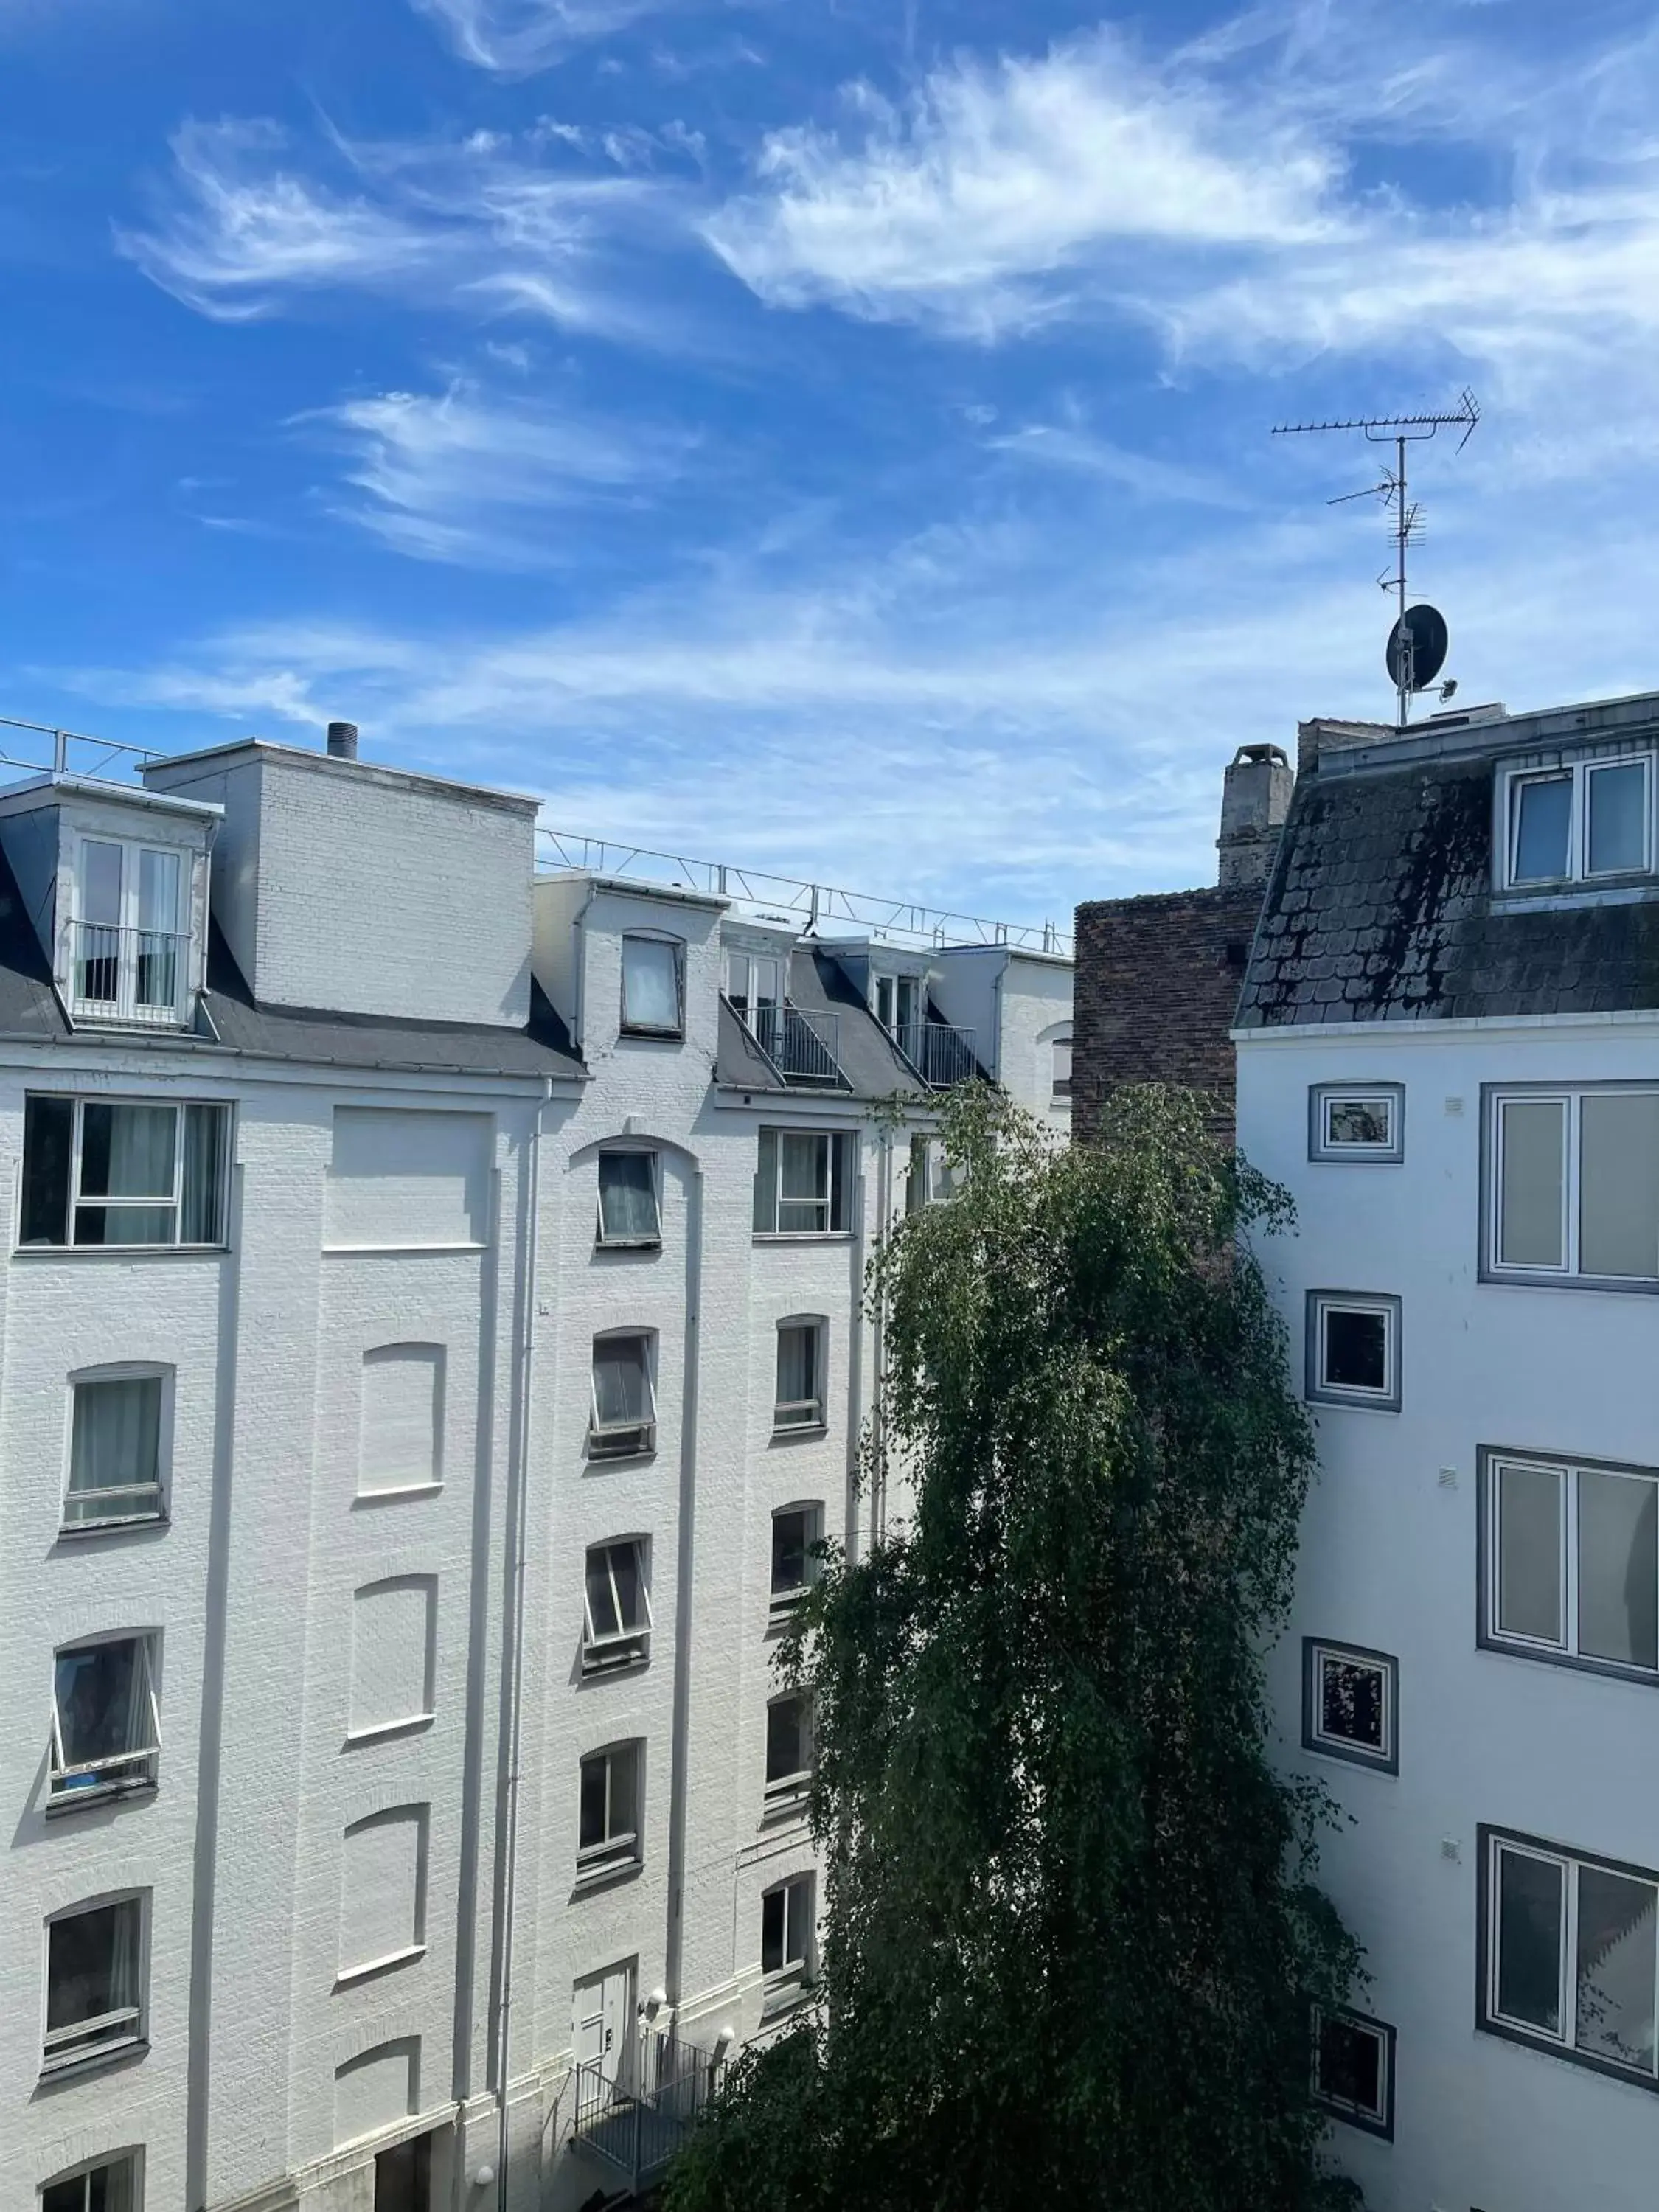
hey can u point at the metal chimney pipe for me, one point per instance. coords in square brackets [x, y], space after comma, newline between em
[342, 741]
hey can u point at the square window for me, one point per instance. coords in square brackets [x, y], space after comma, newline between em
[624, 1420]
[1540, 827]
[787, 1917]
[1350, 1704]
[115, 1451]
[795, 1530]
[1362, 1122]
[788, 1748]
[102, 1171]
[1572, 1564]
[105, 1724]
[653, 986]
[1574, 1184]
[1353, 1349]
[112, 2185]
[803, 1184]
[94, 1997]
[799, 1400]
[629, 1209]
[1353, 2070]
[616, 1619]
[608, 1811]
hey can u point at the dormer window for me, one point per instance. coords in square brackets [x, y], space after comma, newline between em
[653, 989]
[897, 1002]
[128, 954]
[1585, 822]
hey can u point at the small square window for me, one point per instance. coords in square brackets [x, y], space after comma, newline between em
[111, 2185]
[795, 1530]
[94, 1976]
[1350, 1704]
[653, 987]
[616, 1616]
[105, 1724]
[115, 1451]
[786, 1931]
[1362, 1122]
[629, 1212]
[624, 1420]
[788, 1749]
[1353, 2070]
[1353, 1350]
[608, 1814]
[799, 1400]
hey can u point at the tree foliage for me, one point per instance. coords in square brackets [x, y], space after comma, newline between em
[1071, 1932]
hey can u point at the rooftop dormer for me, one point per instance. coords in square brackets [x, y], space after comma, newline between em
[897, 981]
[115, 882]
[802, 1043]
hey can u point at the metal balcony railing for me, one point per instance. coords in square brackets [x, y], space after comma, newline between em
[802, 1046]
[940, 1054]
[634, 2108]
[119, 974]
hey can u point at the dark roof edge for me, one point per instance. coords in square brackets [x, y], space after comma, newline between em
[1513, 733]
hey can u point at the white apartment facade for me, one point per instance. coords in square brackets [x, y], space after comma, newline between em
[432, 1338]
[1449, 1051]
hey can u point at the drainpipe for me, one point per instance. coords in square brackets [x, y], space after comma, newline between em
[519, 1513]
[680, 1762]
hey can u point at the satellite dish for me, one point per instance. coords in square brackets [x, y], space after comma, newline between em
[1425, 626]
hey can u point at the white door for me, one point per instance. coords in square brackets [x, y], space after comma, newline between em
[603, 2029]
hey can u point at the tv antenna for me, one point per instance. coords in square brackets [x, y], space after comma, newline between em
[1417, 645]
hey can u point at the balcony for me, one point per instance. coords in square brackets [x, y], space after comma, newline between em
[940, 1055]
[128, 976]
[633, 2111]
[801, 1047]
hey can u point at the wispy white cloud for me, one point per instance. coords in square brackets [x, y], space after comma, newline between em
[1069, 448]
[515, 38]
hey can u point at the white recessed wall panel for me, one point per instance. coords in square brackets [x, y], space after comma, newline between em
[382, 1884]
[399, 1443]
[393, 1629]
[407, 1180]
[377, 2090]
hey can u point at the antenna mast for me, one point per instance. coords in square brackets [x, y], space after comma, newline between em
[1400, 431]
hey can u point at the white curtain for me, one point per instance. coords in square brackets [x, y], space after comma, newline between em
[798, 1363]
[628, 1194]
[116, 1443]
[619, 1382]
[651, 984]
[203, 1215]
[140, 1148]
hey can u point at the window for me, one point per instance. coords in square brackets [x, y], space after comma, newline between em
[123, 1171]
[616, 1609]
[1573, 1184]
[1355, 1121]
[1354, 2069]
[624, 1414]
[628, 1209]
[94, 1976]
[1061, 1049]
[803, 1184]
[799, 1400]
[129, 958]
[1353, 1349]
[106, 1727]
[786, 1931]
[795, 1530]
[754, 985]
[788, 1749]
[653, 987]
[112, 2185]
[1350, 1699]
[115, 1451]
[1569, 1953]
[1580, 823]
[1571, 1561]
[608, 1819]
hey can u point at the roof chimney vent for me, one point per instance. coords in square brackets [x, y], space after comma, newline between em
[342, 741]
[1255, 800]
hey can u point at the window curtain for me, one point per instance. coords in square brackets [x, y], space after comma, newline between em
[628, 1194]
[804, 1182]
[126, 1151]
[651, 985]
[100, 1693]
[619, 1382]
[94, 1965]
[796, 1365]
[116, 1442]
[203, 1219]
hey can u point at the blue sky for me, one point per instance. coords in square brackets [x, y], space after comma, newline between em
[826, 434]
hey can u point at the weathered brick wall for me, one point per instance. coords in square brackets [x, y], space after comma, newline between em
[1157, 979]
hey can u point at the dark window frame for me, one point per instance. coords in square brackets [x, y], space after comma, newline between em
[1382, 2124]
[1321, 1393]
[1385, 1761]
[36, 1207]
[1489, 1268]
[659, 1030]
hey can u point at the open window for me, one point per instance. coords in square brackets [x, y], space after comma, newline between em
[789, 1750]
[653, 987]
[106, 1722]
[799, 1397]
[109, 2184]
[624, 1421]
[795, 1530]
[617, 1606]
[1354, 2069]
[608, 1815]
[787, 1932]
[115, 1450]
[95, 1983]
[804, 1182]
[127, 1171]
[631, 1211]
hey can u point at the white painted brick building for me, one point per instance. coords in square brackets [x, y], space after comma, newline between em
[398, 1529]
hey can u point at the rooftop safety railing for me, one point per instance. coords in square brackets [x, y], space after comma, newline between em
[803, 1046]
[121, 975]
[940, 1054]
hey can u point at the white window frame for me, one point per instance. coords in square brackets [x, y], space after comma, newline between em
[1059, 1086]
[812, 1415]
[107, 2162]
[1315, 1650]
[741, 963]
[1497, 1844]
[126, 1008]
[649, 1243]
[617, 1848]
[1575, 773]
[143, 1762]
[794, 1972]
[842, 1172]
[786, 1791]
[1564, 1650]
[676, 946]
[625, 1439]
[1498, 1097]
[1321, 1305]
[1321, 1145]
[64, 2048]
[621, 1646]
[133, 1515]
[784, 1602]
[79, 1102]
[1376, 2120]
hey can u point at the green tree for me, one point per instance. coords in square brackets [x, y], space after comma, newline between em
[1071, 1932]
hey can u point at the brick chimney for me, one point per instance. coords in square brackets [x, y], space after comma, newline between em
[1255, 797]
